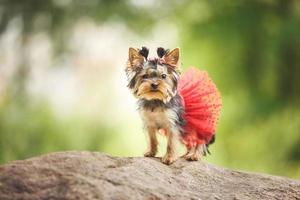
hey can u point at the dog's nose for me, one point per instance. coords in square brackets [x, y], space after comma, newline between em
[154, 86]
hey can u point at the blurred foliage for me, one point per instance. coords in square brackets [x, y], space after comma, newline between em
[31, 129]
[251, 49]
[57, 16]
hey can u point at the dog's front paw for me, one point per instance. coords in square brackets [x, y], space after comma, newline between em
[150, 154]
[168, 159]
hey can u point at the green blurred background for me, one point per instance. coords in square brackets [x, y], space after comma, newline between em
[63, 86]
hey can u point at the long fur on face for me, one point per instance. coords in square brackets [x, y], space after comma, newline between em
[155, 74]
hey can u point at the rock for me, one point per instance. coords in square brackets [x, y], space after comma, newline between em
[87, 175]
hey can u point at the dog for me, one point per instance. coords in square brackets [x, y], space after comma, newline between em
[181, 107]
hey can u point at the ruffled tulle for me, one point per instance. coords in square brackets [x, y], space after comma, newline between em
[202, 103]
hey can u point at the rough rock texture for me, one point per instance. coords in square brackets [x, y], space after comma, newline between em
[86, 175]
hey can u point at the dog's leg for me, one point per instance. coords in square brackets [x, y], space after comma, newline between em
[169, 157]
[195, 154]
[189, 152]
[152, 143]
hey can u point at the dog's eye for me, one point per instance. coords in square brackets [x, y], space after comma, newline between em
[145, 76]
[163, 76]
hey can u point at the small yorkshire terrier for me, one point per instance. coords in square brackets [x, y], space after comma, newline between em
[183, 107]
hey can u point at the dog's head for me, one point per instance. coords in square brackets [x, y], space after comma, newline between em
[153, 78]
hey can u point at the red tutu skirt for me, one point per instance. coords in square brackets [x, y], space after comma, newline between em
[202, 103]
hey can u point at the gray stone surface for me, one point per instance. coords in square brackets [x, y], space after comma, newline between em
[87, 175]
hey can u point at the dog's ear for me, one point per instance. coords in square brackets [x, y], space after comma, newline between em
[135, 58]
[172, 58]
